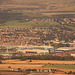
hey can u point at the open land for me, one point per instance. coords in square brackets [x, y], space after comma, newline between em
[22, 12]
[29, 24]
[37, 5]
[21, 73]
[35, 64]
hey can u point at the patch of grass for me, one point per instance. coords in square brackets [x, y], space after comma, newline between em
[45, 24]
[71, 27]
[71, 24]
[17, 23]
[33, 15]
[29, 24]
[60, 66]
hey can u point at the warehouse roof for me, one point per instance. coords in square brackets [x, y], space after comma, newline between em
[66, 48]
[37, 46]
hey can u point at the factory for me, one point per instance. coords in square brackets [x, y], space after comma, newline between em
[62, 51]
[36, 49]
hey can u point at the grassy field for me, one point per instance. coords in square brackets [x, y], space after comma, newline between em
[33, 14]
[35, 8]
[29, 24]
[71, 27]
[17, 23]
[60, 66]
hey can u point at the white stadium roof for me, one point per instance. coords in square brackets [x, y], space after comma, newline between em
[37, 46]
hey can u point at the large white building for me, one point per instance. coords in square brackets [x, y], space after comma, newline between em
[65, 49]
[35, 49]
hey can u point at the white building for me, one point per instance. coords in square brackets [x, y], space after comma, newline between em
[35, 49]
[65, 48]
[73, 55]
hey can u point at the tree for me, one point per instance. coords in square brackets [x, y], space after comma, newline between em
[19, 69]
[30, 61]
[9, 66]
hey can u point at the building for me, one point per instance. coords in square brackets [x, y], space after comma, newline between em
[8, 54]
[36, 49]
[73, 55]
[62, 51]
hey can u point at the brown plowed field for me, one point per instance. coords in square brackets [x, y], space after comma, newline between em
[35, 64]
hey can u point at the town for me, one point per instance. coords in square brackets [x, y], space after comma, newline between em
[37, 37]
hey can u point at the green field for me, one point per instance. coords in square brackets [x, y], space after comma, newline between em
[29, 24]
[15, 9]
[33, 15]
[60, 66]
[71, 27]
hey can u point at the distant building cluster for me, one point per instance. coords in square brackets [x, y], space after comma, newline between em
[37, 40]
[65, 51]
[30, 50]
[62, 20]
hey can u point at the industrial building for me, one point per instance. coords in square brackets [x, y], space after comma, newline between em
[65, 49]
[9, 54]
[62, 51]
[36, 49]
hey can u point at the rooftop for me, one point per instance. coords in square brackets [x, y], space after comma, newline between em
[65, 48]
[30, 46]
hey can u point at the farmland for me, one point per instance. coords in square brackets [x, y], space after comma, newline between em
[23, 73]
[39, 61]
[45, 7]
[35, 64]
[38, 6]
[60, 66]
[45, 20]
[15, 12]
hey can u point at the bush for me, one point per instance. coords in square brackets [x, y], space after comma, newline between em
[30, 61]
[0, 62]
[9, 66]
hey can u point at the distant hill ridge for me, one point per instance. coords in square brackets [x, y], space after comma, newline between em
[42, 5]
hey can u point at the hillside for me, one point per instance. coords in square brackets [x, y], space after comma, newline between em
[33, 12]
[37, 6]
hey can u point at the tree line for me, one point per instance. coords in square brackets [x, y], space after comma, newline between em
[44, 57]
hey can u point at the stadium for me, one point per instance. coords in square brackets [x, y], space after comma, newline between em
[36, 49]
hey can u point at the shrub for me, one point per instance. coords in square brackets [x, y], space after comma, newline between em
[0, 62]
